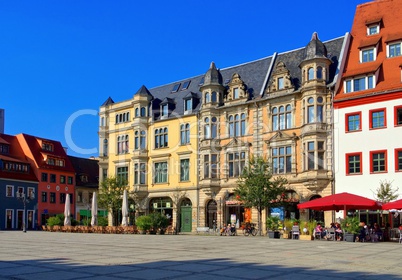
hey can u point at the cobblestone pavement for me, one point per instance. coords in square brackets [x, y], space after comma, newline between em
[51, 255]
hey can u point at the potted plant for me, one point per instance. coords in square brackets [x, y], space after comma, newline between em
[273, 224]
[351, 227]
[288, 224]
[144, 224]
[159, 222]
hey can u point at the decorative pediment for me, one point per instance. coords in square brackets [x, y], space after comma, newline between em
[237, 89]
[236, 143]
[281, 136]
[281, 79]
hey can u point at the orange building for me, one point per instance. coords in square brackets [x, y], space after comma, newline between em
[54, 171]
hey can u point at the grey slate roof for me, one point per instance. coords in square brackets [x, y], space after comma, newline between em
[252, 73]
[292, 60]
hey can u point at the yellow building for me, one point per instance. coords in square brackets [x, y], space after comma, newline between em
[182, 146]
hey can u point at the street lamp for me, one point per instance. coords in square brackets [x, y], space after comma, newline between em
[25, 199]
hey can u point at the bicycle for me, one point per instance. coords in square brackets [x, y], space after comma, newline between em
[250, 229]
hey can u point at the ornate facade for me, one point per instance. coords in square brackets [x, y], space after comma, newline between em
[182, 146]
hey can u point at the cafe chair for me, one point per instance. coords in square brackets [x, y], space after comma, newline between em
[295, 232]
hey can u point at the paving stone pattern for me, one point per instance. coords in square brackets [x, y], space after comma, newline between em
[52, 255]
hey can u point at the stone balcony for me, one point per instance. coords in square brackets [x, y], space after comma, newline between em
[210, 144]
[314, 128]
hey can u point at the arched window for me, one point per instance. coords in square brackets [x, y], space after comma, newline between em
[136, 112]
[143, 112]
[128, 116]
[105, 147]
[136, 140]
[143, 140]
[315, 109]
[231, 126]
[207, 131]
[310, 73]
[184, 134]
[121, 118]
[319, 72]
[213, 96]
[117, 118]
[237, 125]
[214, 127]
[207, 97]
[282, 117]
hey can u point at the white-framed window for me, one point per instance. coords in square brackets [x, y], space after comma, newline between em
[367, 55]
[188, 105]
[236, 163]
[184, 170]
[140, 171]
[282, 117]
[314, 152]
[394, 49]
[314, 109]
[373, 29]
[210, 127]
[281, 84]
[161, 138]
[165, 110]
[9, 191]
[140, 140]
[236, 93]
[282, 160]
[122, 144]
[160, 172]
[360, 83]
[184, 133]
[211, 166]
[237, 125]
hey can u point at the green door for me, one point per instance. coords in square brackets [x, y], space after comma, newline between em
[186, 219]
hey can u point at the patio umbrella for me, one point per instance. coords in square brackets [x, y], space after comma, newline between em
[124, 209]
[397, 204]
[340, 201]
[94, 210]
[67, 220]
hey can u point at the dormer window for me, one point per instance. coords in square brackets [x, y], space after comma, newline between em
[164, 110]
[360, 83]
[394, 49]
[280, 83]
[4, 149]
[47, 146]
[368, 55]
[188, 105]
[373, 29]
[235, 93]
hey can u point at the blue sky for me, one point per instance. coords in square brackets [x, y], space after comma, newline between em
[60, 60]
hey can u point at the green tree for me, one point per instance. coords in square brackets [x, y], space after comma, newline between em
[257, 188]
[385, 192]
[110, 195]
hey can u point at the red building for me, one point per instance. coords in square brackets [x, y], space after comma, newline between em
[54, 171]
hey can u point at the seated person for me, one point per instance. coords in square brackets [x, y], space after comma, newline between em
[377, 231]
[320, 229]
[338, 232]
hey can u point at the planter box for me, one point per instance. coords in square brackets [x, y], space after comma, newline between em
[305, 237]
[286, 236]
[274, 234]
[350, 237]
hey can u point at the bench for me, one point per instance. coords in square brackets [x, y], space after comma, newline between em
[203, 229]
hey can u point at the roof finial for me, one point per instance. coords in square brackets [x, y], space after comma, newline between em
[315, 36]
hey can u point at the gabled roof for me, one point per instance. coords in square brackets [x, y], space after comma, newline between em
[386, 13]
[87, 167]
[32, 146]
[16, 154]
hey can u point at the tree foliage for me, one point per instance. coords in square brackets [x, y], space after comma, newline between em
[257, 188]
[385, 192]
[111, 193]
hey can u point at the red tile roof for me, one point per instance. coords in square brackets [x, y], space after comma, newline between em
[33, 145]
[16, 155]
[388, 13]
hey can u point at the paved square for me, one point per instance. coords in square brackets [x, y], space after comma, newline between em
[53, 255]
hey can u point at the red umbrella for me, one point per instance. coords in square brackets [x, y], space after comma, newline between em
[340, 201]
[397, 204]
